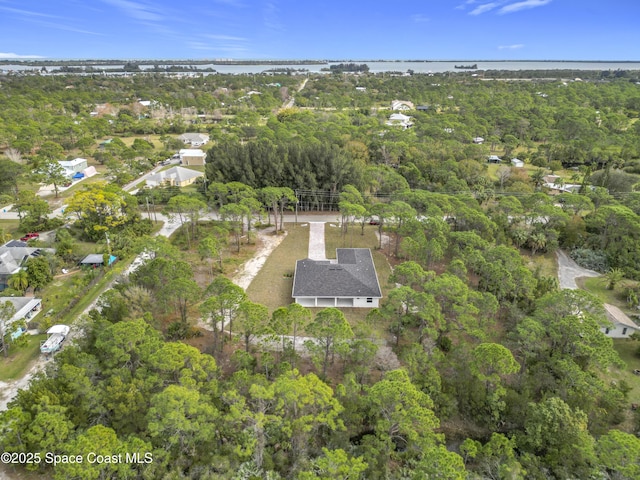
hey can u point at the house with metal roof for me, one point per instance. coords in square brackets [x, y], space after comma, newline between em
[25, 308]
[192, 156]
[194, 139]
[13, 257]
[621, 325]
[349, 281]
[175, 176]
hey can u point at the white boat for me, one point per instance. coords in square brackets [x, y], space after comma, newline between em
[57, 334]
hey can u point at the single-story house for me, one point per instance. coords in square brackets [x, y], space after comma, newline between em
[192, 156]
[13, 256]
[25, 308]
[402, 105]
[350, 282]
[400, 120]
[516, 162]
[71, 167]
[422, 108]
[621, 325]
[194, 139]
[175, 177]
[96, 260]
[494, 159]
[478, 140]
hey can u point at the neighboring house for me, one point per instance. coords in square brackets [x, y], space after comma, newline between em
[96, 260]
[422, 108]
[175, 177]
[622, 326]
[26, 308]
[478, 140]
[516, 162]
[361, 89]
[494, 159]
[351, 282]
[399, 119]
[402, 105]
[194, 139]
[71, 167]
[556, 186]
[13, 256]
[192, 156]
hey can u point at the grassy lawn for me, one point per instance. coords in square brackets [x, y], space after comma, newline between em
[598, 287]
[11, 227]
[626, 349]
[273, 284]
[19, 359]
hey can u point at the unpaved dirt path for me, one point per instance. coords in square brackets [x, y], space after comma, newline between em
[268, 243]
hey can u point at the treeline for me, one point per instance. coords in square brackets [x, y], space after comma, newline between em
[262, 163]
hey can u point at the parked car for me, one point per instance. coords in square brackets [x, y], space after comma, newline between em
[374, 221]
[30, 236]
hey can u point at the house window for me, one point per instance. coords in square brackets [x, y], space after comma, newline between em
[624, 331]
[369, 300]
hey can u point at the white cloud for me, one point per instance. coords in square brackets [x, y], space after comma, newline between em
[137, 10]
[511, 47]
[525, 4]
[419, 18]
[17, 56]
[484, 8]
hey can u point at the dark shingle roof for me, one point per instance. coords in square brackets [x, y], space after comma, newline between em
[353, 276]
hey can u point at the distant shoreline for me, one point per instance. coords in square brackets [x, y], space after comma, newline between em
[45, 62]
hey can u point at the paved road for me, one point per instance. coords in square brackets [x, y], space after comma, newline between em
[568, 271]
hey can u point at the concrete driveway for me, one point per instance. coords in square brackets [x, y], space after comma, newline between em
[568, 271]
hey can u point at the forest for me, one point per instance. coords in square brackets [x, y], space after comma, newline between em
[476, 365]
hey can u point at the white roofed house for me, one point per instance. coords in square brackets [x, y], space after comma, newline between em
[71, 167]
[399, 120]
[192, 156]
[175, 177]
[194, 139]
[516, 162]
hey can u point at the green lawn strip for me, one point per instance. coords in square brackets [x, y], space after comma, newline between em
[598, 287]
[20, 358]
[627, 350]
[272, 285]
[11, 227]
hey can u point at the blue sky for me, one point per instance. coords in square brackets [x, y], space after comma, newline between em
[321, 29]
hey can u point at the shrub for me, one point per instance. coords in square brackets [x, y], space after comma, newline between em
[591, 259]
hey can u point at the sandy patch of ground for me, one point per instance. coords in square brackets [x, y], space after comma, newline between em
[268, 242]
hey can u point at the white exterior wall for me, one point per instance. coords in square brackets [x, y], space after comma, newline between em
[619, 331]
[339, 302]
[361, 302]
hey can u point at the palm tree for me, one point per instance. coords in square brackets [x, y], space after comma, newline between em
[19, 281]
[537, 177]
[613, 276]
[537, 241]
